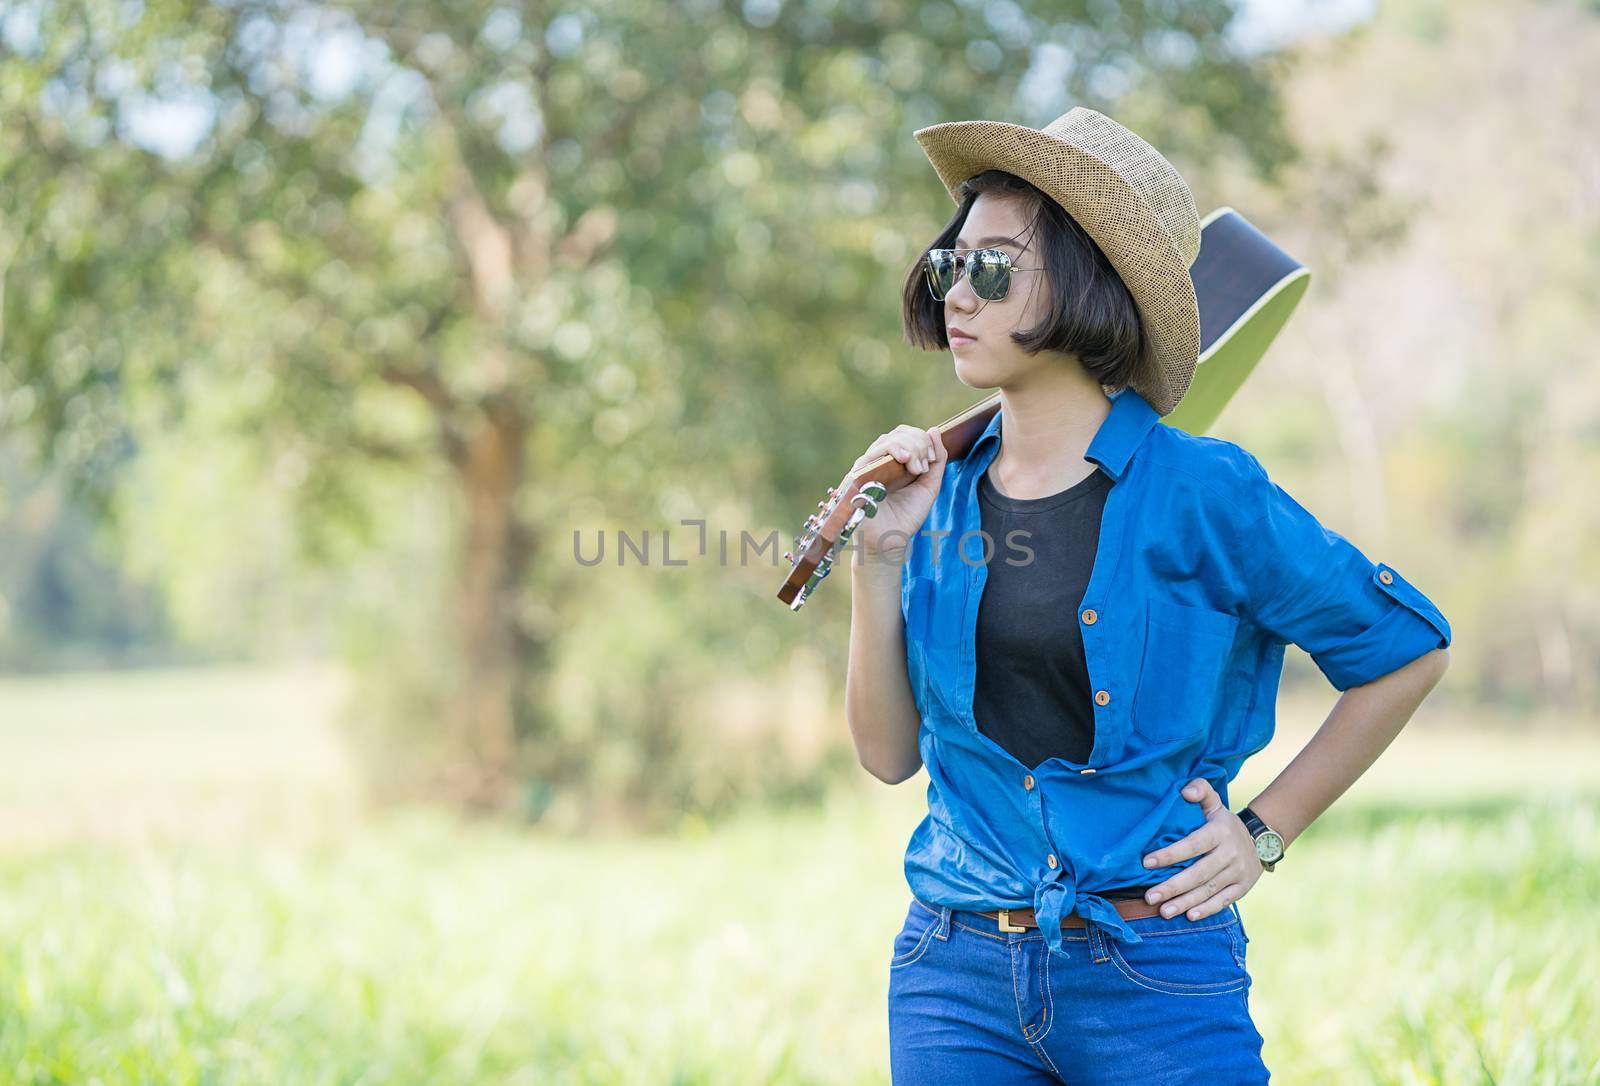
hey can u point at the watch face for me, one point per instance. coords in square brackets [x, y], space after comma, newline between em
[1269, 846]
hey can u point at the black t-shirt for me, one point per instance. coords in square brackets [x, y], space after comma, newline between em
[1031, 692]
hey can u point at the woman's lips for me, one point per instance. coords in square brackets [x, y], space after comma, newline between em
[958, 339]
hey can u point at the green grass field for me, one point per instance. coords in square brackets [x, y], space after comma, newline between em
[188, 894]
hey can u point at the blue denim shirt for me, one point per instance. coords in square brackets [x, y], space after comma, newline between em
[1204, 571]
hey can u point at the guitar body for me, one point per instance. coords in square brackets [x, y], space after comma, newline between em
[1247, 288]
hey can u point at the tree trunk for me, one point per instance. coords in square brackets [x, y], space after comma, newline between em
[493, 561]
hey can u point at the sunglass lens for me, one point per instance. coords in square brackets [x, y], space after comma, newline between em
[990, 272]
[941, 271]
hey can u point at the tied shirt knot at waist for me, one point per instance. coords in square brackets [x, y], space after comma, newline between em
[1054, 900]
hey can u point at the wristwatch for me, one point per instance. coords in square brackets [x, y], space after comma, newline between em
[1269, 842]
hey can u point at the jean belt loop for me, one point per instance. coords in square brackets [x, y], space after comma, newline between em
[943, 927]
[1097, 941]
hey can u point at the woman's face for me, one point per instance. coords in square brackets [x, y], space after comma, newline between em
[991, 358]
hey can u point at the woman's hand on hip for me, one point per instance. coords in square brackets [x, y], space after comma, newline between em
[1228, 864]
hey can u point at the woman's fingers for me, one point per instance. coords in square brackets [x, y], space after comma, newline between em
[1202, 908]
[1208, 868]
[1202, 839]
[916, 443]
[910, 445]
[883, 444]
[1208, 885]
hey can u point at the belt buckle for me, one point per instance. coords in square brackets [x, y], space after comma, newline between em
[1005, 922]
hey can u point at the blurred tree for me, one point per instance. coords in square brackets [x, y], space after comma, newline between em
[65, 603]
[566, 252]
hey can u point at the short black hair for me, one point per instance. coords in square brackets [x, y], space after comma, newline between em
[1091, 312]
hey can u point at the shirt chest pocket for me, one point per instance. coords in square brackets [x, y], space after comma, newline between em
[1180, 676]
[933, 614]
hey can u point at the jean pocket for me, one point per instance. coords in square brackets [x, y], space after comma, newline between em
[918, 931]
[1205, 959]
[1185, 651]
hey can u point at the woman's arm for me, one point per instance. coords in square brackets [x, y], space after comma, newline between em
[878, 702]
[1363, 723]
[1375, 636]
[1361, 726]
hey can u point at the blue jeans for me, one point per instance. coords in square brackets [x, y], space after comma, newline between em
[969, 1003]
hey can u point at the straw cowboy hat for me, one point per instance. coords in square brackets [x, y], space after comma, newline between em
[1126, 196]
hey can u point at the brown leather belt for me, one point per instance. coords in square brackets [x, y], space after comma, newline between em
[1130, 908]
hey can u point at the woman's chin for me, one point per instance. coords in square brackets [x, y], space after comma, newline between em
[977, 371]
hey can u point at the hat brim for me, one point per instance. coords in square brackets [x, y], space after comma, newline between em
[1112, 213]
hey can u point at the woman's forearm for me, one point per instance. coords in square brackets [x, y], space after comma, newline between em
[879, 705]
[1363, 723]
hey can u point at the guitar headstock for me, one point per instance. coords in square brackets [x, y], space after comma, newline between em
[857, 496]
[827, 531]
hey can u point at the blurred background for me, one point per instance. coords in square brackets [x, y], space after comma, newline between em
[358, 720]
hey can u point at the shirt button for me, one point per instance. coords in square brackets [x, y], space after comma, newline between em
[1101, 697]
[1027, 782]
[1385, 576]
[1089, 616]
[1050, 859]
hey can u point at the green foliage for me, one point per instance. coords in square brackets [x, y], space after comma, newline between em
[631, 242]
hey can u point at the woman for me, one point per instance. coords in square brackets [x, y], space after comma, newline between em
[1078, 628]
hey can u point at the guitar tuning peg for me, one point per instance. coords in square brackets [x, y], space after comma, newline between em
[787, 557]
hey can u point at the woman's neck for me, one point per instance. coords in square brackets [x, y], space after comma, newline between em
[1045, 428]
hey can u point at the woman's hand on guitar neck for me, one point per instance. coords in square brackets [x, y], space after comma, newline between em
[885, 536]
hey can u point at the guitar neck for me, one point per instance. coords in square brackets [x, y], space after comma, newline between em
[959, 433]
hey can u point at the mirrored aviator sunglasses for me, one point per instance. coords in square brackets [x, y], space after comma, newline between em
[988, 270]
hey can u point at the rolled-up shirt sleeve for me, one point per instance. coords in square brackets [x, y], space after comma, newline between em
[1307, 584]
